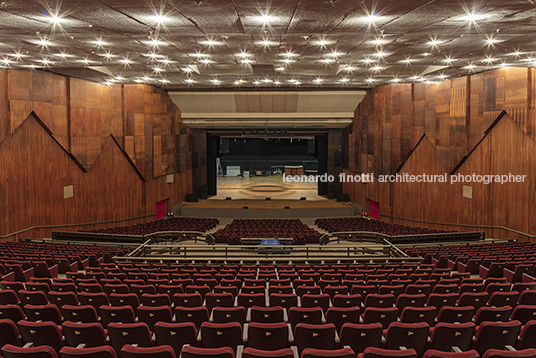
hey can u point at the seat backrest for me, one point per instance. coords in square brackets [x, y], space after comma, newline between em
[10, 332]
[373, 352]
[214, 335]
[497, 335]
[360, 336]
[268, 336]
[175, 335]
[318, 336]
[130, 351]
[311, 315]
[103, 351]
[198, 352]
[129, 333]
[409, 335]
[12, 351]
[91, 334]
[40, 333]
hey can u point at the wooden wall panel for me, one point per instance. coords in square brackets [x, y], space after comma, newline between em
[454, 115]
[81, 116]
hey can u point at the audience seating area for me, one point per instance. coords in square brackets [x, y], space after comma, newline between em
[291, 310]
[364, 224]
[267, 228]
[511, 259]
[169, 224]
[29, 259]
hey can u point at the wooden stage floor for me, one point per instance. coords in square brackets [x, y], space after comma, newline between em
[248, 200]
[261, 187]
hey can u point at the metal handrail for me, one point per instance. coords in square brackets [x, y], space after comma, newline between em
[209, 239]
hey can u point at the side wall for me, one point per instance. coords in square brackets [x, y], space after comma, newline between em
[151, 145]
[454, 116]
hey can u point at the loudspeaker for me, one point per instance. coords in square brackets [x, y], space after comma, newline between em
[268, 198]
[311, 148]
[192, 198]
[342, 198]
[228, 198]
[303, 198]
[287, 207]
[195, 162]
[331, 192]
[224, 146]
[245, 207]
[204, 192]
[337, 159]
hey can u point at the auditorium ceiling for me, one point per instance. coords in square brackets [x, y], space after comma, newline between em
[266, 45]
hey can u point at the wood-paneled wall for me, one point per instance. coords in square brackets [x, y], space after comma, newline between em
[462, 135]
[57, 131]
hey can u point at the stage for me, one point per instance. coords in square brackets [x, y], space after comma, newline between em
[260, 187]
[248, 200]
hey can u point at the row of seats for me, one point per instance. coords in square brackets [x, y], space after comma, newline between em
[274, 336]
[267, 228]
[167, 224]
[365, 224]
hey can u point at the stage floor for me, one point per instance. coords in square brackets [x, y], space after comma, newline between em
[259, 188]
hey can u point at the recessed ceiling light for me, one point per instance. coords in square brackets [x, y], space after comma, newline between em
[215, 81]
[327, 60]
[157, 69]
[237, 83]
[396, 80]
[370, 18]
[210, 42]
[100, 43]
[288, 60]
[55, 19]
[370, 79]
[267, 80]
[267, 43]
[415, 78]
[489, 60]
[408, 60]
[277, 83]
[165, 61]
[118, 78]
[163, 80]
[472, 17]
[145, 78]
[379, 54]
[243, 54]
[107, 55]
[335, 54]
[470, 66]
[379, 41]
[45, 61]
[449, 60]
[289, 54]
[187, 69]
[265, 18]
[491, 40]
[85, 61]
[17, 55]
[323, 42]
[349, 68]
[256, 83]
[280, 68]
[205, 61]
[376, 68]
[344, 79]
[442, 76]
[368, 60]
[62, 55]
[318, 80]
[155, 42]
[6, 61]
[425, 54]
[517, 53]
[159, 19]
[434, 42]
[189, 80]
[126, 61]
[44, 42]
[246, 60]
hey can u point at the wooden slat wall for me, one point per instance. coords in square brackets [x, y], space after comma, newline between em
[81, 116]
[454, 116]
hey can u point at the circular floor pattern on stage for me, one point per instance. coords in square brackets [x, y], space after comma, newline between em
[269, 188]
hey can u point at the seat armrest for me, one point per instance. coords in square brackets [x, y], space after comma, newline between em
[239, 350]
[456, 349]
